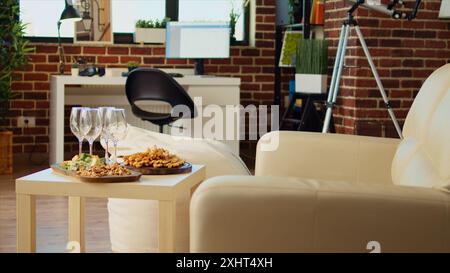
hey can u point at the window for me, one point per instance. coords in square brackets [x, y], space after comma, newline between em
[213, 10]
[41, 16]
[125, 13]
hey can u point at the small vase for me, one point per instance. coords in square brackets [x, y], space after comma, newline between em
[75, 71]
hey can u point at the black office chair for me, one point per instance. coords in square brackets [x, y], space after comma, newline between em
[146, 84]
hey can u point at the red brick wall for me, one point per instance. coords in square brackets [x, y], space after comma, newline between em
[405, 53]
[254, 65]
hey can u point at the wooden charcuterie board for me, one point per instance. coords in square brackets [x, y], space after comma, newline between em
[133, 177]
[185, 168]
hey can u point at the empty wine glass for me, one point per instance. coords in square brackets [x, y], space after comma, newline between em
[75, 114]
[116, 128]
[91, 125]
[104, 134]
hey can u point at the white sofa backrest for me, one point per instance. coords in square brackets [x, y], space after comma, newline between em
[334, 157]
[423, 156]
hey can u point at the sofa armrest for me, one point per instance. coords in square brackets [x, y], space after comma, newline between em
[276, 214]
[326, 156]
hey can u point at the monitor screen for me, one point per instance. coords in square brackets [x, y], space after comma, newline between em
[197, 40]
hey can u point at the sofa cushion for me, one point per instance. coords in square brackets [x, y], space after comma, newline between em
[423, 157]
[133, 224]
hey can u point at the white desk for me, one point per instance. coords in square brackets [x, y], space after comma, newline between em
[110, 91]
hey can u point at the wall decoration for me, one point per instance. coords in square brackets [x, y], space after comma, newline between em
[289, 49]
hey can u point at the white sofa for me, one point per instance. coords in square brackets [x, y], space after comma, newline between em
[336, 193]
[133, 224]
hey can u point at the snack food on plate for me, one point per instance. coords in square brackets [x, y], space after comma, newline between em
[82, 162]
[104, 170]
[154, 157]
[93, 166]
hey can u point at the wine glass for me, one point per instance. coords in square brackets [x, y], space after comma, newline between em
[104, 134]
[91, 125]
[75, 114]
[117, 127]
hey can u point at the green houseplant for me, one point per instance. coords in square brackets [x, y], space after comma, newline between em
[75, 68]
[132, 65]
[234, 17]
[311, 66]
[13, 55]
[150, 31]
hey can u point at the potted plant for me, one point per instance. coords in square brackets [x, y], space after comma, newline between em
[149, 31]
[132, 66]
[234, 16]
[312, 65]
[74, 70]
[13, 54]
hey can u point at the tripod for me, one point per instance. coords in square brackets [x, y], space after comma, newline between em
[338, 66]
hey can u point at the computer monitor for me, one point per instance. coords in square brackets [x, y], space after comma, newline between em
[197, 40]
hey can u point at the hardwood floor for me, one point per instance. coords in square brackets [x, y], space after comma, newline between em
[51, 220]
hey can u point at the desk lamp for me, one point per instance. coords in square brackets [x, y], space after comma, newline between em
[69, 14]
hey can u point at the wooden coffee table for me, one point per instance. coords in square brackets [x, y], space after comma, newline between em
[165, 188]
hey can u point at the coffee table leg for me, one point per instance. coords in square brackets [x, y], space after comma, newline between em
[166, 229]
[26, 223]
[76, 223]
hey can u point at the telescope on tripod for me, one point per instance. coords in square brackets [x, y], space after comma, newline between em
[389, 9]
[374, 5]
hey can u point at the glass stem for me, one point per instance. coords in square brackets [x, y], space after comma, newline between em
[106, 151]
[80, 147]
[90, 147]
[115, 151]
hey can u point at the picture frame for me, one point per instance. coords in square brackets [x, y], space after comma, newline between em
[289, 48]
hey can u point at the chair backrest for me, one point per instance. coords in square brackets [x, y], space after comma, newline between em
[423, 156]
[148, 84]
